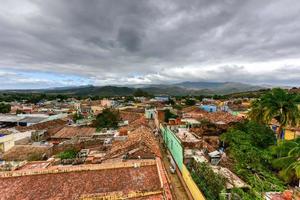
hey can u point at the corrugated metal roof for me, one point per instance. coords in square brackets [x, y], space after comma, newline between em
[32, 120]
[10, 118]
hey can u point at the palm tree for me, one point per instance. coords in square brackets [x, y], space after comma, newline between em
[289, 160]
[277, 104]
[257, 112]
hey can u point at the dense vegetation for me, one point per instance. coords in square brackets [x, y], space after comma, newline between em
[256, 153]
[211, 184]
[109, 118]
[249, 145]
[4, 108]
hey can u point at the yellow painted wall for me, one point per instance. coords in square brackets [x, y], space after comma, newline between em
[193, 188]
[96, 109]
[289, 135]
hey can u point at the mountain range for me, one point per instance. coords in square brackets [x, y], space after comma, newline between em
[183, 88]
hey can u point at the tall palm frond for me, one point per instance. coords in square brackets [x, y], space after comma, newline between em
[289, 161]
[257, 112]
[277, 104]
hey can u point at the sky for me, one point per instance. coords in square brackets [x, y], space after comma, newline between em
[57, 43]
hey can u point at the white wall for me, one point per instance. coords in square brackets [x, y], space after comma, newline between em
[8, 141]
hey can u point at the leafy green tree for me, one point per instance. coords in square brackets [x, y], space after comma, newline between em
[217, 97]
[190, 102]
[129, 98]
[200, 98]
[169, 115]
[177, 106]
[277, 104]
[109, 118]
[248, 144]
[5, 108]
[77, 116]
[257, 111]
[288, 161]
[97, 97]
[211, 184]
[61, 97]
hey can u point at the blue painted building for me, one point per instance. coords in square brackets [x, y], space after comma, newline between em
[209, 108]
[162, 98]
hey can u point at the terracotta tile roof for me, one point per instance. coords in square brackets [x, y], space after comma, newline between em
[142, 121]
[25, 152]
[77, 184]
[238, 107]
[96, 103]
[212, 142]
[209, 130]
[141, 142]
[157, 104]
[130, 116]
[52, 131]
[294, 90]
[43, 126]
[190, 109]
[286, 195]
[214, 117]
[135, 110]
[70, 132]
[223, 117]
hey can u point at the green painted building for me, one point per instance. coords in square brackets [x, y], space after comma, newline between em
[174, 145]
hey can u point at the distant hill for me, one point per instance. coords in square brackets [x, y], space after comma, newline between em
[184, 88]
[199, 85]
[219, 87]
[94, 91]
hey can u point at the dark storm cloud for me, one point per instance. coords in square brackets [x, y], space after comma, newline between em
[139, 41]
[130, 39]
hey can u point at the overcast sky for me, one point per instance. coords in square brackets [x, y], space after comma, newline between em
[48, 43]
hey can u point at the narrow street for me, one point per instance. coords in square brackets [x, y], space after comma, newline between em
[178, 190]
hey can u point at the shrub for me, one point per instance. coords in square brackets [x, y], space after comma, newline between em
[68, 154]
[5, 108]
